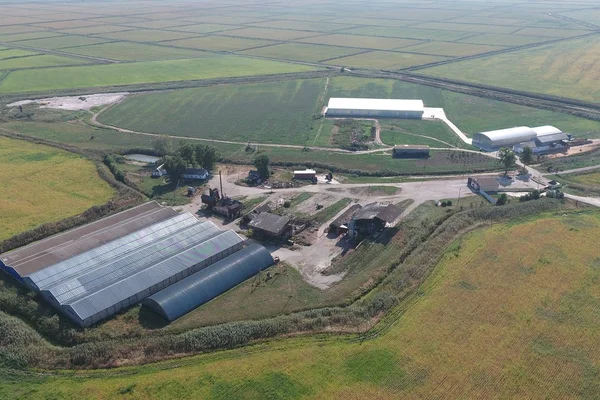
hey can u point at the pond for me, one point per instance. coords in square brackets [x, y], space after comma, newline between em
[142, 158]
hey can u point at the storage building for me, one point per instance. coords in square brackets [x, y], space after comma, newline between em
[372, 218]
[306, 174]
[271, 225]
[100, 282]
[195, 173]
[201, 287]
[540, 138]
[410, 151]
[36, 256]
[385, 108]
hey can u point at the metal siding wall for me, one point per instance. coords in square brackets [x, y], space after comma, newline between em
[203, 286]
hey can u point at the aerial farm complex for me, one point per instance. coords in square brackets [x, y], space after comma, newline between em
[299, 200]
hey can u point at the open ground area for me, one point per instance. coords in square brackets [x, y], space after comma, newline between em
[295, 200]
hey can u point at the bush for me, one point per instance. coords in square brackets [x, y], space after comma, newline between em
[287, 204]
[444, 203]
[502, 200]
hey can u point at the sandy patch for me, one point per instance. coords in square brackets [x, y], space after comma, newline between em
[75, 103]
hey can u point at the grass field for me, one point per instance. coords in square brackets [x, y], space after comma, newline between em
[415, 132]
[302, 52]
[46, 60]
[61, 42]
[465, 111]
[147, 35]
[385, 60]
[220, 43]
[563, 69]
[272, 34]
[487, 323]
[450, 49]
[42, 184]
[8, 53]
[143, 72]
[279, 112]
[366, 42]
[125, 51]
[503, 39]
[407, 32]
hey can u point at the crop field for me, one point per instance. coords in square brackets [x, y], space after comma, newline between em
[90, 30]
[368, 42]
[203, 28]
[266, 113]
[302, 52]
[385, 60]
[450, 49]
[34, 61]
[26, 36]
[5, 53]
[464, 110]
[43, 184]
[220, 43]
[503, 39]
[273, 34]
[60, 42]
[407, 32]
[125, 51]
[431, 133]
[591, 178]
[143, 72]
[147, 35]
[538, 306]
[563, 69]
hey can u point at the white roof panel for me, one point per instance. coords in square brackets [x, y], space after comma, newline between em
[546, 130]
[522, 133]
[376, 104]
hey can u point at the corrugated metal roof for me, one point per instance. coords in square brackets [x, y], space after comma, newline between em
[388, 213]
[88, 305]
[112, 250]
[551, 138]
[375, 104]
[92, 276]
[201, 287]
[269, 222]
[519, 133]
[36, 256]
[546, 130]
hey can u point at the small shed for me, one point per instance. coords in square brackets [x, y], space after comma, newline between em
[271, 225]
[307, 174]
[410, 151]
[340, 224]
[373, 218]
[195, 173]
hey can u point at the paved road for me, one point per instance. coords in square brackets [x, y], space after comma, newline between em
[440, 114]
[592, 201]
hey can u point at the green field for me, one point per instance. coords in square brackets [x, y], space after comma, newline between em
[302, 52]
[8, 53]
[43, 184]
[464, 110]
[220, 43]
[272, 34]
[203, 28]
[563, 69]
[147, 35]
[135, 52]
[414, 132]
[538, 310]
[503, 39]
[385, 60]
[45, 60]
[143, 72]
[450, 49]
[279, 112]
[61, 42]
[406, 32]
[366, 42]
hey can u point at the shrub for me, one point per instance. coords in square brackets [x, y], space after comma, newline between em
[502, 200]
[287, 204]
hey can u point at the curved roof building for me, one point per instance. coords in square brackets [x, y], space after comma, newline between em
[493, 140]
[201, 287]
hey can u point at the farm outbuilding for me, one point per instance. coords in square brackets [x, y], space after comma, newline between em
[201, 287]
[195, 173]
[306, 174]
[543, 137]
[372, 218]
[271, 225]
[410, 151]
[385, 108]
[94, 271]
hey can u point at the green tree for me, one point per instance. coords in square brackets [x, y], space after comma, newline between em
[262, 163]
[502, 200]
[527, 155]
[187, 152]
[175, 166]
[507, 158]
[162, 145]
[206, 156]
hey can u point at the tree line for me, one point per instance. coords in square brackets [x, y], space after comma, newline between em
[188, 155]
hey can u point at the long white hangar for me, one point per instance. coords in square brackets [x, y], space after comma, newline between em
[386, 108]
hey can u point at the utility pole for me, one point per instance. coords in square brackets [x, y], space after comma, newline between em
[458, 200]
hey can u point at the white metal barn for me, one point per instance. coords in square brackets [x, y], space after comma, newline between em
[494, 140]
[388, 108]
